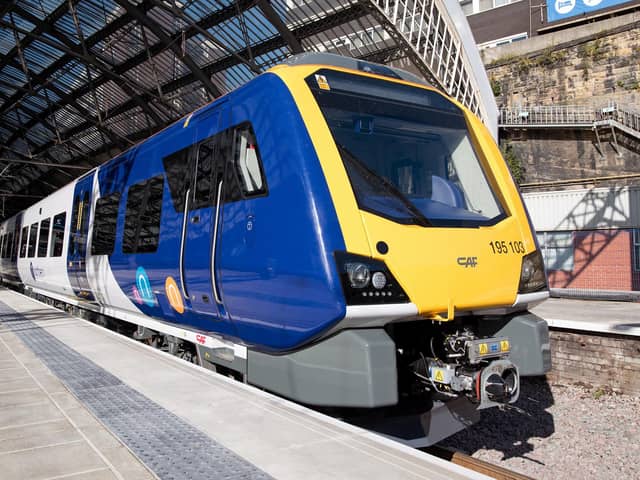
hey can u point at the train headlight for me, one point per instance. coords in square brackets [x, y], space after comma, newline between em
[358, 273]
[379, 280]
[532, 275]
[367, 281]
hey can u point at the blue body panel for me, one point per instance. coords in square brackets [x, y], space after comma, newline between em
[274, 265]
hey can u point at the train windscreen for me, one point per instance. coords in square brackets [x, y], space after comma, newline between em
[407, 151]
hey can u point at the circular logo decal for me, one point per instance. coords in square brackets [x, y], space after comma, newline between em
[564, 6]
[144, 287]
[136, 295]
[174, 295]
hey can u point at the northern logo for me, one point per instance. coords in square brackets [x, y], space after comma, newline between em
[468, 262]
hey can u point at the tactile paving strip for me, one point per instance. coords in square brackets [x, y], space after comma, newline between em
[168, 445]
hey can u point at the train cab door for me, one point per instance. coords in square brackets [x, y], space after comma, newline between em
[202, 217]
[78, 236]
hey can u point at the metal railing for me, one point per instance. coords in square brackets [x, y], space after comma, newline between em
[547, 115]
[628, 119]
[582, 116]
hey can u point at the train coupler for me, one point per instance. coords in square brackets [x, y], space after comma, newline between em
[479, 369]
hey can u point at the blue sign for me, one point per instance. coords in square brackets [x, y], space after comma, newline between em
[561, 9]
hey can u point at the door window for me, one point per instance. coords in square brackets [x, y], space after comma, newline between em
[247, 162]
[104, 228]
[142, 219]
[57, 235]
[43, 244]
[23, 242]
[33, 236]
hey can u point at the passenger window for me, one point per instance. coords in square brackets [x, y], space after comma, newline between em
[247, 162]
[57, 235]
[142, 219]
[10, 247]
[3, 248]
[43, 244]
[178, 169]
[104, 225]
[33, 236]
[23, 242]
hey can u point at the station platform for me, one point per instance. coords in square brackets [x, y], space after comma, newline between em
[81, 402]
[598, 316]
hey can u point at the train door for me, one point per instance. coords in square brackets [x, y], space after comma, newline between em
[13, 258]
[78, 235]
[200, 225]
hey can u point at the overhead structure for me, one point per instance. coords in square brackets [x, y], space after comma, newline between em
[81, 80]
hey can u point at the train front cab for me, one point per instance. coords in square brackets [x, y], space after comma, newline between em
[440, 263]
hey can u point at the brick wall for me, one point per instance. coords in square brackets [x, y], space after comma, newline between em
[597, 360]
[602, 260]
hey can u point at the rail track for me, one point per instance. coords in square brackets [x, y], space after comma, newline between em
[480, 466]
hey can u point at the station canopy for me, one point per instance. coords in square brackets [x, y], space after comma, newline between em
[82, 80]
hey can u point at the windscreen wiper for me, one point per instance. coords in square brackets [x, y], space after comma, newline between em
[418, 218]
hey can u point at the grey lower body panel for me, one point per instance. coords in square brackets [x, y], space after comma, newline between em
[355, 368]
[528, 335]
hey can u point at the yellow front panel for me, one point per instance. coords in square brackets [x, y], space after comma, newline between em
[444, 270]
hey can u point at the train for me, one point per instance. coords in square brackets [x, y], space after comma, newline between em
[335, 231]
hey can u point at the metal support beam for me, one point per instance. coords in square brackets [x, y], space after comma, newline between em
[340, 16]
[45, 164]
[275, 20]
[64, 45]
[113, 136]
[157, 29]
[202, 30]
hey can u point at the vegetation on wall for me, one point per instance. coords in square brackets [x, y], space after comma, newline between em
[495, 87]
[547, 58]
[513, 162]
[629, 83]
[595, 50]
[590, 52]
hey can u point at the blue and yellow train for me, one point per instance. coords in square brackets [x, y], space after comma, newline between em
[334, 231]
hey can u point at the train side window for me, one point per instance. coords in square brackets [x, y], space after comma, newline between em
[43, 244]
[57, 234]
[9, 244]
[33, 237]
[204, 174]
[178, 169]
[3, 248]
[23, 242]
[104, 225]
[142, 218]
[16, 244]
[247, 162]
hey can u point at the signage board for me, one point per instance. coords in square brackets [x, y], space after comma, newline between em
[561, 9]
